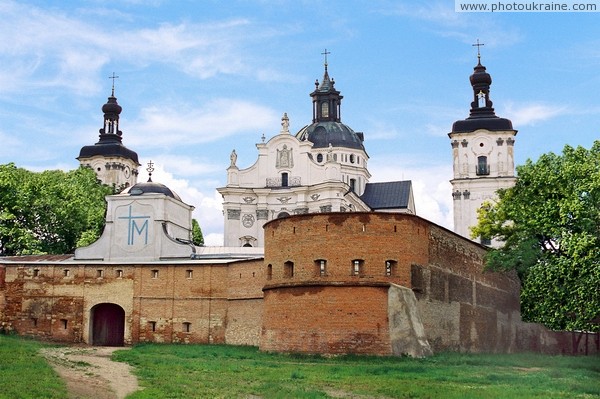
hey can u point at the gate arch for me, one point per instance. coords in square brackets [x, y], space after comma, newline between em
[107, 325]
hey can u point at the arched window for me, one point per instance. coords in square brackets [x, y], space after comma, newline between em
[321, 267]
[282, 215]
[269, 271]
[352, 185]
[284, 179]
[288, 269]
[482, 166]
[325, 110]
[319, 158]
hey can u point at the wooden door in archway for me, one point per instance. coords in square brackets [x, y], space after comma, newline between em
[108, 325]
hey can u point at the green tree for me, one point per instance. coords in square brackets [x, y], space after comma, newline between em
[197, 237]
[50, 211]
[549, 223]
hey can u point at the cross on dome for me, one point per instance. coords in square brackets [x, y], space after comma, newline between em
[113, 77]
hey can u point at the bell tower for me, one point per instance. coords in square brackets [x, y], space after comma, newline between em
[482, 155]
[114, 164]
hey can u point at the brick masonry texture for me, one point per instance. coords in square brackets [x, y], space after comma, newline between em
[323, 287]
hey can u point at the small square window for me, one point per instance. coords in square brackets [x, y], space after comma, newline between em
[152, 325]
[189, 273]
[357, 267]
[34, 321]
[36, 272]
[66, 273]
[99, 273]
[154, 273]
[64, 323]
[390, 267]
[187, 327]
[119, 273]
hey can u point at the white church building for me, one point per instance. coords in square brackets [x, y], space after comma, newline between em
[321, 168]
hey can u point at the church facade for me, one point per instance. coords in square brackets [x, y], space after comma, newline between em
[321, 168]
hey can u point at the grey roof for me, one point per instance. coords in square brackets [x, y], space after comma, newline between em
[387, 195]
[335, 133]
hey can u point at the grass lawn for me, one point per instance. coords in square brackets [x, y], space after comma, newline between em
[218, 371]
[24, 373]
[215, 371]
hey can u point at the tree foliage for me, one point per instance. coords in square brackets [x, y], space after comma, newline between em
[49, 212]
[197, 237]
[549, 223]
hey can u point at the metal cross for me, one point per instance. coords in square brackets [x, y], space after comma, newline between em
[150, 169]
[478, 47]
[325, 54]
[113, 77]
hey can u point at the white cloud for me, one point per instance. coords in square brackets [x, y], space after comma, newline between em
[181, 126]
[530, 114]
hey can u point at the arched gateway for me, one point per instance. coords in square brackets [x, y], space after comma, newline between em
[108, 325]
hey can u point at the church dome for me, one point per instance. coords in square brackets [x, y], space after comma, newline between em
[111, 106]
[330, 132]
[150, 187]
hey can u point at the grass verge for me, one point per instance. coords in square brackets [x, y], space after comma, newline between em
[214, 371]
[24, 373]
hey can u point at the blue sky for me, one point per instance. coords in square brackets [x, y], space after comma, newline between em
[200, 78]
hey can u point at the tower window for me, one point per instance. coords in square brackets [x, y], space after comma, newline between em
[269, 272]
[351, 158]
[36, 272]
[189, 273]
[319, 158]
[482, 166]
[65, 323]
[99, 273]
[119, 273]
[66, 273]
[154, 273]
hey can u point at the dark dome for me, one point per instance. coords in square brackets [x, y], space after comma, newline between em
[112, 107]
[150, 188]
[336, 133]
[480, 76]
[108, 149]
[492, 123]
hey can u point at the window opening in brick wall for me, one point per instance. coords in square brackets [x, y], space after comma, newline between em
[119, 273]
[357, 267]
[288, 269]
[187, 326]
[64, 323]
[269, 272]
[66, 273]
[152, 325]
[189, 273]
[34, 321]
[36, 272]
[154, 273]
[321, 265]
[99, 273]
[390, 267]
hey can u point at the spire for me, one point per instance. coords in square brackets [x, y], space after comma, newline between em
[326, 99]
[481, 82]
[110, 132]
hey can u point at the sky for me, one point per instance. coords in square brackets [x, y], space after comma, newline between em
[198, 79]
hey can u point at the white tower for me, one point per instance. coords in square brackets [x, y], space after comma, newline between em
[114, 164]
[482, 153]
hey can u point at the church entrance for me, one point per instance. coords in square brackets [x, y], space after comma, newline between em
[108, 325]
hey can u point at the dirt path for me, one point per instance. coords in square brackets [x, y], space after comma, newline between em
[89, 372]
